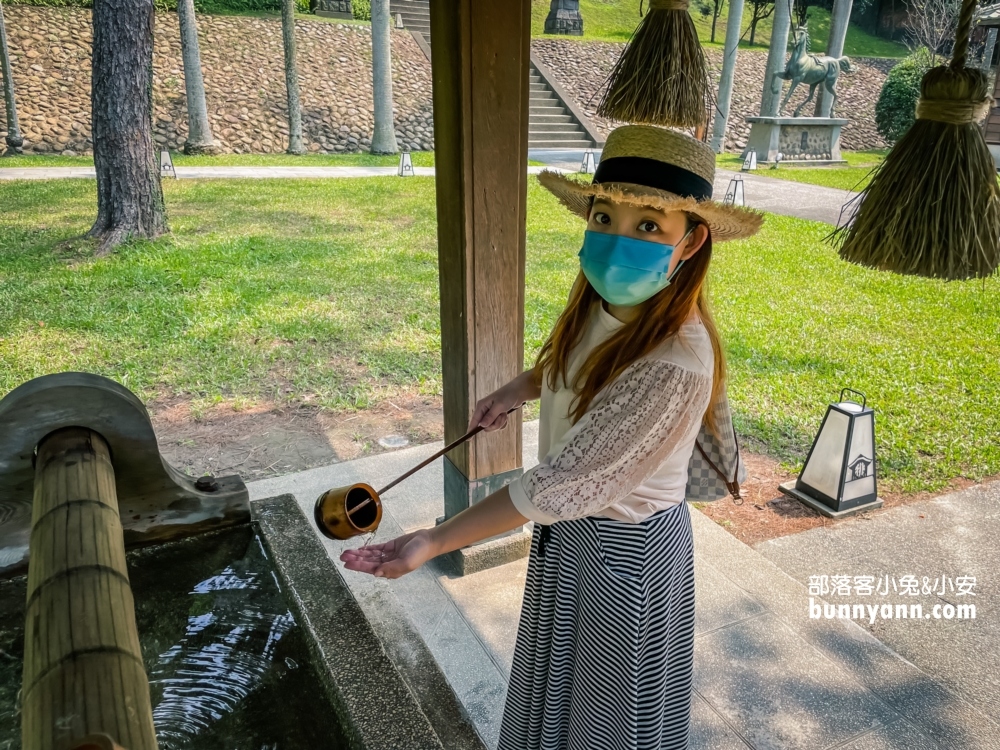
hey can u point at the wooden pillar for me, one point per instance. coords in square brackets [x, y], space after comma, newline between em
[480, 76]
[83, 671]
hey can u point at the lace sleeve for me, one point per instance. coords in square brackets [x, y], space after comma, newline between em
[617, 445]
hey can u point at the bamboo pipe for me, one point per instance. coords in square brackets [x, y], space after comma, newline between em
[83, 670]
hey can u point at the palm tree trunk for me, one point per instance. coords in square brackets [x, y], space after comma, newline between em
[769, 102]
[384, 137]
[725, 98]
[129, 194]
[14, 139]
[291, 78]
[199, 140]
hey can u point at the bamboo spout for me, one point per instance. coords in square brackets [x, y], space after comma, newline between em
[83, 670]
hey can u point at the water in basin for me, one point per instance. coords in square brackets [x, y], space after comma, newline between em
[228, 664]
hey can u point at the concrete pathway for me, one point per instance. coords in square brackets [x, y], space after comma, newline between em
[783, 197]
[227, 173]
[766, 674]
[937, 541]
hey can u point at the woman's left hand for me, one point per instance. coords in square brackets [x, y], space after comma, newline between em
[394, 558]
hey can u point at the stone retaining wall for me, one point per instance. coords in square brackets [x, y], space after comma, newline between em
[582, 70]
[243, 62]
[244, 78]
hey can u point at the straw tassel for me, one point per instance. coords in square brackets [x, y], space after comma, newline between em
[932, 208]
[662, 77]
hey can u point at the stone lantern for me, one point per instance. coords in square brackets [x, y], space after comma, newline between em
[564, 18]
[334, 8]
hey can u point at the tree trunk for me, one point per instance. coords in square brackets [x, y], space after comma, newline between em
[715, 20]
[14, 139]
[775, 58]
[733, 22]
[291, 78]
[753, 27]
[129, 194]
[199, 140]
[384, 137]
[834, 48]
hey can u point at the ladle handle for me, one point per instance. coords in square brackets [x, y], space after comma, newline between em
[440, 453]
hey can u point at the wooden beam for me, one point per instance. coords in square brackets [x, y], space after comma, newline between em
[480, 76]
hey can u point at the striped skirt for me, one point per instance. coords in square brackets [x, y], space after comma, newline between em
[605, 645]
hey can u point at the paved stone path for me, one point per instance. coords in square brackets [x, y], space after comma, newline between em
[227, 173]
[937, 541]
[778, 196]
[767, 675]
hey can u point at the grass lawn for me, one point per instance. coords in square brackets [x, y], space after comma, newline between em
[326, 292]
[615, 22]
[854, 176]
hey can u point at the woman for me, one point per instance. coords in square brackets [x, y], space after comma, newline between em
[604, 649]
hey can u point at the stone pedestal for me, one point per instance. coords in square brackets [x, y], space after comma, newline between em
[799, 140]
[459, 494]
[334, 9]
[564, 18]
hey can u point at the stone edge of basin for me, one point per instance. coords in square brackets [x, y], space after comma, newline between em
[384, 701]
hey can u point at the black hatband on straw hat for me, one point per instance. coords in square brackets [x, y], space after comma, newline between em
[640, 170]
[645, 165]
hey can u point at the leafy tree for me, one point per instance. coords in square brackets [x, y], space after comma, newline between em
[897, 102]
[711, 8]
[759, 10]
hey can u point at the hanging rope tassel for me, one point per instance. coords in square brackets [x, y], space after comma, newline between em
[932, 208]
[662, 77]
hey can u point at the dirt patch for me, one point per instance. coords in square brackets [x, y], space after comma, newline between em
[269, 441]
[767, 513]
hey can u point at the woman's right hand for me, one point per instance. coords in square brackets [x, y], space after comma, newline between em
[491, 411]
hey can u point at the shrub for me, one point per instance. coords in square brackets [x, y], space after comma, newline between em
[362, 9]
[895, 110]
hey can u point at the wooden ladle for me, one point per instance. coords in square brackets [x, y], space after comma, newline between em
[356, 509]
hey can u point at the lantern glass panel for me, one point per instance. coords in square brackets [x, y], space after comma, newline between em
[860, 478]
[822, 471]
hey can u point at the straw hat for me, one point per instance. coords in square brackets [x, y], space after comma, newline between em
[645, 165]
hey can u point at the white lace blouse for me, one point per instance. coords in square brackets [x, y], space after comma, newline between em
[627, 457]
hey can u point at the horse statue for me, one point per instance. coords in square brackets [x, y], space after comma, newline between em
[810, 69]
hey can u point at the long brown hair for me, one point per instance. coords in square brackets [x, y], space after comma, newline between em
[662, 316]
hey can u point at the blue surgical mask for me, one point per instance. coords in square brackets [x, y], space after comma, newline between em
[623, 270]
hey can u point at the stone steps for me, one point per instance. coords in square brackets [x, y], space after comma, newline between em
[416, 15]
[550, 123]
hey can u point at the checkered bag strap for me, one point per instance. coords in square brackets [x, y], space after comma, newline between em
[714, 461]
